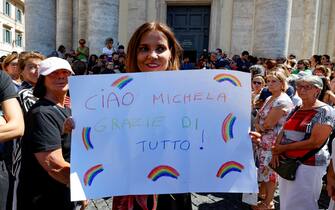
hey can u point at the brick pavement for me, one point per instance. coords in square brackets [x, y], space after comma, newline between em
[210, 201]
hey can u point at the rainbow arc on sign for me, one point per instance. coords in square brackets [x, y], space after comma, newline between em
[163, 171]
[92, 173]
[86, 137]
[228, 78]
[122, 82]
[228, 167]
[227, 127]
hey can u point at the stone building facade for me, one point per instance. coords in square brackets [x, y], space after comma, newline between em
[12, 26]
[266, 28]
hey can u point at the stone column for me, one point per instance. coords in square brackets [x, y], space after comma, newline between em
[242, 26]
[151, 10]
[137, 11]
[83, 18]
[161, 11]
[123, 18]
[331, 33]
[103, 22]
[303, 30]
[40, 16]
[272, 24]
[75, 24]
[221, 25]
[324, 17]
[311, 29]
[64, 24]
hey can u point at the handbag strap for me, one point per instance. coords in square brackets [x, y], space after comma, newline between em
[311, 153]
[308, 134]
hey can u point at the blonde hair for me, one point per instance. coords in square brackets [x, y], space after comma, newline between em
[281, 77]
[260, 78]
[325, 71]
[9, 58]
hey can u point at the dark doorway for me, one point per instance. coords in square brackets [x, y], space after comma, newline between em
[191, 27]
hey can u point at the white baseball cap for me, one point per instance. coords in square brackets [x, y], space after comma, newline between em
[52, 64]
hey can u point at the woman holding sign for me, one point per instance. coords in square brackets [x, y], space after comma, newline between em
[153, 47]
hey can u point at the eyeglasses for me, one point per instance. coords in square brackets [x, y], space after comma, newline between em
[256, 83]
[305, 87]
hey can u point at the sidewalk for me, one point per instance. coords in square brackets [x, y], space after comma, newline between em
[212, 201]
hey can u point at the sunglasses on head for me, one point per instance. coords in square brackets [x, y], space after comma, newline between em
[256, 82]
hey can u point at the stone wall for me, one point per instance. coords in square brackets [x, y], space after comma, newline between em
[242, 26]
[302, 27]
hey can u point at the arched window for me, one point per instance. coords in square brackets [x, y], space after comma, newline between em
[18, 16]
[7, 8]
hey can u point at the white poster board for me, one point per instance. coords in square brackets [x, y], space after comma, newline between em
[161, 132]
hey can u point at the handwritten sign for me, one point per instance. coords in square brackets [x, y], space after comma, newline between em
[161, 132]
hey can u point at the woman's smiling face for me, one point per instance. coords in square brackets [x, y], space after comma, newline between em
[153, 53]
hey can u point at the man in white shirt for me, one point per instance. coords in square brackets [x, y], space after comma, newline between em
[108, 49]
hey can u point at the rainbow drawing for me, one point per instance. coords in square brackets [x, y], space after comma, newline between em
[92, 173]
[122, 81]
[161, 171]
[228, 77]
[86, 136]
[229, 167]
[227, 127]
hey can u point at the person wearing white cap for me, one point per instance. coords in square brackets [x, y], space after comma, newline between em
[45, 170]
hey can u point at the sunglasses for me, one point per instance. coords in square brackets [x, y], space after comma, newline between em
[256, 83]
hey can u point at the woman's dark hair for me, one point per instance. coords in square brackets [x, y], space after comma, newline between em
[91, 58]
[79, 67]
[326, 86]
[61, 48]
[253, 60]
[270, 63]
[83, 41]
[317, 59]
[109, 40]
[40, 90]
[327, 57]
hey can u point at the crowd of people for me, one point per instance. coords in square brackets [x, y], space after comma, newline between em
[292, 115]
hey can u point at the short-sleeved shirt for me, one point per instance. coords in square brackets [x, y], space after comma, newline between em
[7, 91]
[7, 88]
[107, 51]
[269, 136]
[44, 132]
[299, 126]
[83, 53]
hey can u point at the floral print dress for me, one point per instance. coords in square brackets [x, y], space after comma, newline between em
[263, 151]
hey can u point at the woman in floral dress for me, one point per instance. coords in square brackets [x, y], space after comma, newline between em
[268, 123]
